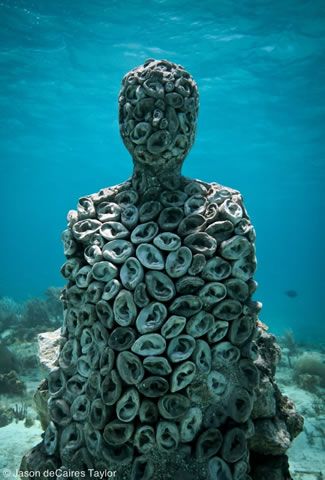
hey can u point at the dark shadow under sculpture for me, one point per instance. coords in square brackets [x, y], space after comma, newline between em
[164, 370]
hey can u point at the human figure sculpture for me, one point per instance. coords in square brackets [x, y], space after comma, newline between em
[157, 377]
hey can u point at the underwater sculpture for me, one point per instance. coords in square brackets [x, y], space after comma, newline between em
[162, 355]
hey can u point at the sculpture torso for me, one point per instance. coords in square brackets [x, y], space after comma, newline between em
[156, 376]
[159, 328]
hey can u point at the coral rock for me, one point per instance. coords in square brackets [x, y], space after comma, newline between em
[49, 346]
[271, 437]
[11, 384]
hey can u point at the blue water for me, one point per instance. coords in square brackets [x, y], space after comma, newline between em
[260, 68]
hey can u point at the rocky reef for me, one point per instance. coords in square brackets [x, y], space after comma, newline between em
[164, 370]
[21, 322]
[11, 384]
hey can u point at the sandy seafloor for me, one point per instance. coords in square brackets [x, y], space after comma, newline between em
[306, 455]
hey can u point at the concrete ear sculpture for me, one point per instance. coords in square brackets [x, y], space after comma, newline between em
[161, 351]
[158, 107]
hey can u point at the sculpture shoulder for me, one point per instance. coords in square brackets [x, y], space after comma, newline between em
[215, 192]
[124, 194]
[86, 206]
[121, 207]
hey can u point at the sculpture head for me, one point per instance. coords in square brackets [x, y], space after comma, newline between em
[158, 106]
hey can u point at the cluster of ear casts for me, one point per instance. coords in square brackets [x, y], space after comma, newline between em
[156, 376]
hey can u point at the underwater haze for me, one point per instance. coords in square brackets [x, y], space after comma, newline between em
[260, 70]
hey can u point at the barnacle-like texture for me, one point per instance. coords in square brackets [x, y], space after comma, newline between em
[157, 370]
[159, 326]
[158, 106]
[218, 468]
[173, 406]
[208, 443]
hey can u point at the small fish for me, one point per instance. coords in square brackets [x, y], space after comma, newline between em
[291, 293]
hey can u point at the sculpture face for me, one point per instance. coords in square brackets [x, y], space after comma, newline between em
[158, 106]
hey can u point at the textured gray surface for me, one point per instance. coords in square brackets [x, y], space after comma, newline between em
[160, 360]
